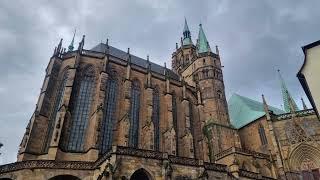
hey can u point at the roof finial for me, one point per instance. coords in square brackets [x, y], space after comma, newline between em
[70, 48]
[217, 50]
[129, 56]
[59, 46]
[287, 99]
[265, 107]
[81, 44]
[176, 46]
[148, 63]
[304, 104]
[107, 42]
[165, 69]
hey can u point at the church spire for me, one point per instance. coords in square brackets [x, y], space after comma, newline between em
[186, 34]
[202, 42]
[304, 104]
[70, 48]
[287, 99]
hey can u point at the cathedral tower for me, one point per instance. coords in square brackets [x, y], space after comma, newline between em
[200, 67]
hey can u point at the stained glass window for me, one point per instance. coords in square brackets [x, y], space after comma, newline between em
[175, 118]
[81, 110]
[57, 104]
[108, 122]
[155, 118]
[134, 114]
[262, 134]
[191, 124]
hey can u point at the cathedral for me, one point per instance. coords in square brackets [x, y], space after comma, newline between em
[104, 114]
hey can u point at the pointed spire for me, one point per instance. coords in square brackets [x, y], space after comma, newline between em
[304, 104]
[202, 43]
[265, 107]
[165, 69]
[186, 28]
[287, 99]
[186, 34]
[148, 63]
[59, 46]
[129, 56]
[81, 44]
[217, 50]
[70, 47]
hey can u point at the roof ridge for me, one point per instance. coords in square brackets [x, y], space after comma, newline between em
[138, 61]
[243, 98]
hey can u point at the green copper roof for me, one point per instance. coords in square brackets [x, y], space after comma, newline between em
[186, 34]
[286, 96]
[243, 110]
[70, 47]
[202, 43]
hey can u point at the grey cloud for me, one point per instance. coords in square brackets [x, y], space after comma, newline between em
[255, 39]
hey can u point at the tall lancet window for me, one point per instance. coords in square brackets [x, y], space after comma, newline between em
[57, 104]
[175, 118]
[262, 135]
[81, 110]
[134, 114]
[108, 122]
[156, 118]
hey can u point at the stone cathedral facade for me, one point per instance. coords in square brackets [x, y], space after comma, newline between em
[104, 113]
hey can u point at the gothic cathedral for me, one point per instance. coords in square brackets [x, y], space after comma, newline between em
[107, 114]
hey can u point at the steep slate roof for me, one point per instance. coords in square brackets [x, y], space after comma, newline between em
[134, 60]
[243, 110]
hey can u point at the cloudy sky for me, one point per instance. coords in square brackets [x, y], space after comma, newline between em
[255, 38]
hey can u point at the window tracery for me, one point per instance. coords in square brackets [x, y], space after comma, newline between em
[134, 114]
[108, 122]
[175, 118]
[262, 134]
[81, 110]
[156, 118]
[57, 104]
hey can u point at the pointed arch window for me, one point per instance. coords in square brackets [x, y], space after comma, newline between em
[134, 114]
[175, 118]
[156, 118]
[192, 126]
[262, 135]
[57, 104]
[108, 122]
[81, 110]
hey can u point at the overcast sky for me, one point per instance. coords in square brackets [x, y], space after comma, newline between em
[255, 39]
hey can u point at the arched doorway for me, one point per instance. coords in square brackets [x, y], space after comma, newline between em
[140, 174]
[305, 159]
[65, 177]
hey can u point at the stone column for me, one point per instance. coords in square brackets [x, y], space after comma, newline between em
[169, 134]
[147, 136]
[62, 115]
[124, 121]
